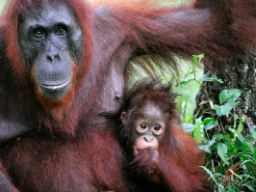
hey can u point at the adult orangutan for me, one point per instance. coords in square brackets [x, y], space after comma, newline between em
[63, 73]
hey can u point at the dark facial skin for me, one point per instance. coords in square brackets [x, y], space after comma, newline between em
[51, 42]
[148, 127]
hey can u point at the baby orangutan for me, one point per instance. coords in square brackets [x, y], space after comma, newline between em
[160, 155]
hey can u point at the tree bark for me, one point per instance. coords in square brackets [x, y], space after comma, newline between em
[240, 74]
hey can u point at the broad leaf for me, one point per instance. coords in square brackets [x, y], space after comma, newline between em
[222, 151]
[231, 94]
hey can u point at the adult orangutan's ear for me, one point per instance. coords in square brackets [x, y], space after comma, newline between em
[124, 116]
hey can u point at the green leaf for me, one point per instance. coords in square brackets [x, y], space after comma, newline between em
[196, 58]
[212, 177]
[228, 95]
[250, 187]
[240, 136]
[217, 109]
[226, 108]
[222, 151]
[184, 82]
[210, 123]
[253, 150]
[218, 137]
[208, 77]
[253, 132]
[245, 157]
[198, 133]
[207, 147]
[240, 125]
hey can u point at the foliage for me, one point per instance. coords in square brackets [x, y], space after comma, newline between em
[231, 156]
[188, 87]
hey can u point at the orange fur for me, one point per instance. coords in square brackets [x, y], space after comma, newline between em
[84, 16]
[57, 107]
[177, 158]
[74, 146]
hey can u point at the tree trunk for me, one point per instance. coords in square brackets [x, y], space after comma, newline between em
[240, 75]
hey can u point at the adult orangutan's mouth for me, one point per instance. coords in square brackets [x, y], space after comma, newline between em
[55, 86]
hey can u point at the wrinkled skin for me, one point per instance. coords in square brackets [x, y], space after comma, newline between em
[50, 39]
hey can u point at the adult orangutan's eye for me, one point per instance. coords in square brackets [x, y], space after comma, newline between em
[60, 30]
[39, 32]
